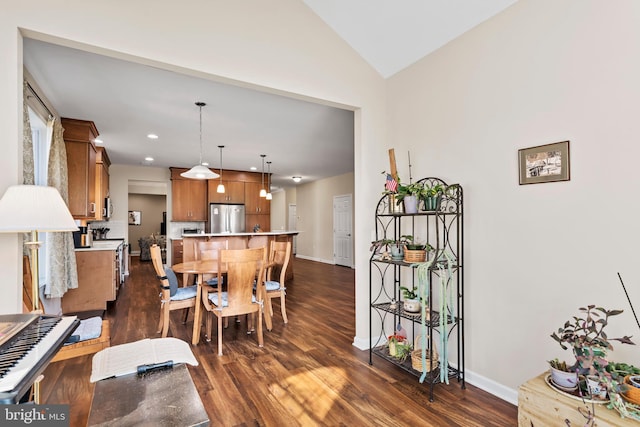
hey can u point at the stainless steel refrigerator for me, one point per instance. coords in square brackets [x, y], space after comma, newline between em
[225, 218]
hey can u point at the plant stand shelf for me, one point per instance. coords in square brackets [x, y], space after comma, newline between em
[442, 230]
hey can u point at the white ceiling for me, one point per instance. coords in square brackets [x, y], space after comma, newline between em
[127, 101]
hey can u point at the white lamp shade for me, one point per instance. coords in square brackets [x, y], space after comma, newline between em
[220, 188]
[263, 193]
[199, 172]
[26, 208]
[269, 196]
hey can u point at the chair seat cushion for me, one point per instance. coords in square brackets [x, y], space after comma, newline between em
[214, 282]
[270, 285]
[213, 297]
[184, 293]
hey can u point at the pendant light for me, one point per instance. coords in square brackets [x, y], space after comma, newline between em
[199, 171]
[221, 185]
[263, 192]
[269, 196]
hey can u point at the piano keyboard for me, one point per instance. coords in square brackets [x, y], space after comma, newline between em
[26, 355]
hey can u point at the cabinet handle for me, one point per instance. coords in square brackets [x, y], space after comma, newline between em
[92, 207]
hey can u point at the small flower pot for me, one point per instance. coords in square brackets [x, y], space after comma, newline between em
[566, 380]
[596, 388]
[412, 305]
[410, 204]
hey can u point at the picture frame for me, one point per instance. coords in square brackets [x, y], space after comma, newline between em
[135, 218]
[544, 163]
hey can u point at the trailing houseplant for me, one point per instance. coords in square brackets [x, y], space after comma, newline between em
[430, 196]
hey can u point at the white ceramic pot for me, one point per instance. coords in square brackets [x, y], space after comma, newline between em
[596, 388]
[568, 380]
[410, 204]
[412, 305]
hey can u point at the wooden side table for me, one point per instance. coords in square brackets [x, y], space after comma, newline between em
[158, 398]
[539, 406]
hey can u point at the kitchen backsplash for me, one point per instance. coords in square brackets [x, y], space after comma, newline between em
[117, 229]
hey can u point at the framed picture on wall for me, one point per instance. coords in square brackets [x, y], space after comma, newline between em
[544, 163]
[135, 217]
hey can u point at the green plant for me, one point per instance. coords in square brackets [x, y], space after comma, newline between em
[409, 293]
[585, 335]
[561, 366]
[415, 246]
[402, 348]
[404, 190]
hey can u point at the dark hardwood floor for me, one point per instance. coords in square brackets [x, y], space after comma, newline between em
[308, 373]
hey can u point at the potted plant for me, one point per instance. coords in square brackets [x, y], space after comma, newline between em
[414, 251]
[411, 300]
[409, 194]
[394, 247]
[431, 196]
[586, 337]
[399, 347]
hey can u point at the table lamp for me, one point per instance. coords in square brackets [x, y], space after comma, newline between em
[30, 209]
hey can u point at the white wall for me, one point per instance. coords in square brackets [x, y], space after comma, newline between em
[315, 216]
[543, 71]
[278, 45]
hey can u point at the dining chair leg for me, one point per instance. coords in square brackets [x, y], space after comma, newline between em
[260, 337]
[209, 323]
[220, 336]
[161, 320]
[283, 308]
[270, 306]
[186, 315]
[165, 323]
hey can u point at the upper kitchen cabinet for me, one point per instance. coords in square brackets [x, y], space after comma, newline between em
[254, 204]
[102, 182]
[188, 197]
[79, 136]
[233, 192]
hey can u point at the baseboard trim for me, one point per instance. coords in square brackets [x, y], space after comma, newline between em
[490, 386]
[325, 261]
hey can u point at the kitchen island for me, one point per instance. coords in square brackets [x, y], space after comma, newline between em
[238, 241]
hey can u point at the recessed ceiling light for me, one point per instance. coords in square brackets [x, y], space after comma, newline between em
[98, 141]
[253, 168]
[152, 136]
[148, 159]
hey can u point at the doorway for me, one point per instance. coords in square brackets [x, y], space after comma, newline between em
[342, 230]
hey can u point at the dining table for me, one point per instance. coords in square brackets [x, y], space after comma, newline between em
[201, 267]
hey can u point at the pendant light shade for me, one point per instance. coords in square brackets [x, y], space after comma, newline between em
[199, 171]
[221, 185]
[263, 192]
[268, 195]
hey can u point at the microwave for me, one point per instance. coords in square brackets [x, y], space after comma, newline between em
[107, 211]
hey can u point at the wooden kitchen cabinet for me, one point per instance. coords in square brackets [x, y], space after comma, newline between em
[177, 251]
[252, 219]
[254, 204]
[188, 197]
[97, 282]
[234, 192]
[102, 181]
[79, 136]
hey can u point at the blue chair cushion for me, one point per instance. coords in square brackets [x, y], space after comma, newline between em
[213, 297]
[173, 280]
[184, 293]
[271, 285]
[214, 282]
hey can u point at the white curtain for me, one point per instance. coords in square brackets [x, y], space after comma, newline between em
[28, 169]
[63, 273]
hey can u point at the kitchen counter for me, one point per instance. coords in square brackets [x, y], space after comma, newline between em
[102, 245]
[260, 233]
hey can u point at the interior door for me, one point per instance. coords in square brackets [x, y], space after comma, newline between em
[342, 233]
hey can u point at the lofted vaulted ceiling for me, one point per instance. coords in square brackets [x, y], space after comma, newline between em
[127, 101]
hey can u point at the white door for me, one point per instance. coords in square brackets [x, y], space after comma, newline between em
[342, 239]
[292, 225]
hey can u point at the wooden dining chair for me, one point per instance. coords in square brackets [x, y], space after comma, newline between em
[209, 251]
[279, 254]
[241, 266]
[172, 297]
